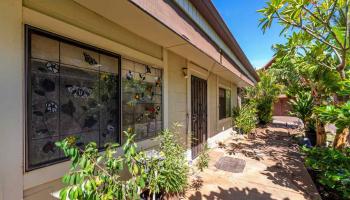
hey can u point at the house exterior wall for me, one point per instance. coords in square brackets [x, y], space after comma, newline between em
[61, 18]
[11, 106]
[177, 96]
[66, 11]
[281, 107]
[216, 125]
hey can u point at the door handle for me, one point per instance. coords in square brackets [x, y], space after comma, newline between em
[194, 117]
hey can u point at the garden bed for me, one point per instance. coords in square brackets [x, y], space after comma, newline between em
[330, 170]
[325, 193]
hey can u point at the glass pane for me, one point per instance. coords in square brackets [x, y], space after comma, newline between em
[44, 48]
[222, 104]
[228, 103]
[74, 92]
[79, 90]
[44, 105]
[43, 151]
[108, 107]
[78, 57]
[108, 64]
[142, 99]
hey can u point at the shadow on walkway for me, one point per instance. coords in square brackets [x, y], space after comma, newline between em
[234, 194]
[275, 169]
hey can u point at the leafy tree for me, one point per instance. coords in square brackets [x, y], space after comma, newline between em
[339, 114]
[326, 23]
[317, 43]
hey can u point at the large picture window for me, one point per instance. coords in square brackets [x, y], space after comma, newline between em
[72, 90]
[224, 103]
[142, 99]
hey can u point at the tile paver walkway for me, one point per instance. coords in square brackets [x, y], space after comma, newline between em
[274, 170]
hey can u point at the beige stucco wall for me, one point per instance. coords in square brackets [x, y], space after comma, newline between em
[214, 83]
[180, 99]
[11, 100]
[61, 17]
[72, 13]
[177, 93]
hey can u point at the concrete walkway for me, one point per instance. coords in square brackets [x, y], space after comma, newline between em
[274, 170]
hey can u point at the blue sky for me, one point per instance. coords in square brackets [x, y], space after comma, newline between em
[243, 20]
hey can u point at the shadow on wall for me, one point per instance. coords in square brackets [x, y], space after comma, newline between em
[235, 194]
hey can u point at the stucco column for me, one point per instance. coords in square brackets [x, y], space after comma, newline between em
[11, 100]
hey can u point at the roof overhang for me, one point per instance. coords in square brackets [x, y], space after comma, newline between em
[210, 13]
[164, 24]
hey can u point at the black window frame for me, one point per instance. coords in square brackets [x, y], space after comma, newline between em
[223, 107]
[27, 51]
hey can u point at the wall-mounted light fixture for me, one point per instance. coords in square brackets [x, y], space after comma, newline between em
[184, 71]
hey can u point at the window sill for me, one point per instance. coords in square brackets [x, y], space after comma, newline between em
[224, 120]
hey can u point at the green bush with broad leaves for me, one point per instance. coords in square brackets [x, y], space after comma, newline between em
[301, 106]
[339, 115]
[97, 175]
[332, 168]
[245, 118]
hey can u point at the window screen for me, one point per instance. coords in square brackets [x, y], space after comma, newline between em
[72, 90]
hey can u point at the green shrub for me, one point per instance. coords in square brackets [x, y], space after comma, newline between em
[170, 175]
[264, 110]
[203, 159]
[94, 175]
[263, 94]
[246, 119]
[332, 167]
[301, 106]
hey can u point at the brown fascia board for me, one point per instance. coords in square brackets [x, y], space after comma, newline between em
[210, 13]
[268, 64]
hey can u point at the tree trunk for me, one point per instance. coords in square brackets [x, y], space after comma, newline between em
[321, 135]
[341, 139]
